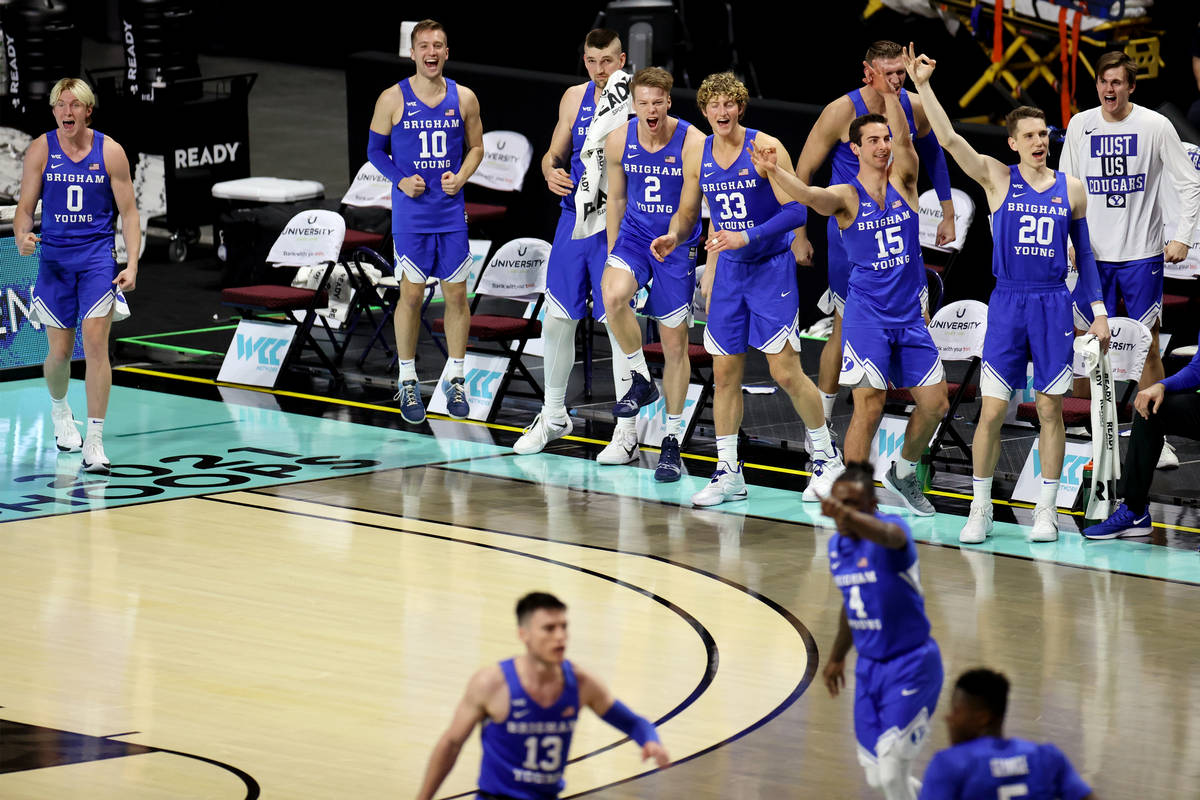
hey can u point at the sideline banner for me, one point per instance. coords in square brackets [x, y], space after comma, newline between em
[256, 353]
[22, 341]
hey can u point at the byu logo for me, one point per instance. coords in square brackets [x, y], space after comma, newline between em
[847, 363]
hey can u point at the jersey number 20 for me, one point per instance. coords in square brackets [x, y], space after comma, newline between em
[1035, 230]
[551, 745]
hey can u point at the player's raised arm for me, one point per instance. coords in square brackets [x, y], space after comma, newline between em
[596, 696]
[867, 526]
[791, 215]
[984, 170]
[933, 161]
[772, 161]
[452, 182]
[904, 155]
[31, 191]
[556, 163]
[824, 136]
[684, 218]
[614, 149]
[471, 710]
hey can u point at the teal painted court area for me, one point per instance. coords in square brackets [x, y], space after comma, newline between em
[164, 446]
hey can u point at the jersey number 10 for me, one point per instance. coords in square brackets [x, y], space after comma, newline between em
[438, 141]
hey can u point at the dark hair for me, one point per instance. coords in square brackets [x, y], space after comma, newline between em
[1115, 58]
[427, 25]
[986, 688]
[1020, 113]
[860, 123]
[601, 38]
[537, 601]
[861, 472]
[883, 49]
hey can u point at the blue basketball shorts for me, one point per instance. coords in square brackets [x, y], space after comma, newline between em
[1139, 283]
[421, 256]
[903, 357]
[672, 282]
[74, 283]
[574, 271]
[894, 701]
[838, 266]
[753, 305]
[1023, 325]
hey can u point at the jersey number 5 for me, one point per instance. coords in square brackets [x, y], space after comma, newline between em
[553, 750]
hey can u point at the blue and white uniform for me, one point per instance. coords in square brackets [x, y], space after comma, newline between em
[77, 262]
[653, 184]
[754, 295]
[898, 675]
[884, 338]
[430, 230]
[987, 768]
[524, 756]
[1029, 313]
[576, 266]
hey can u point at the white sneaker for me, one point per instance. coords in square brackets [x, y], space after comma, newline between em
[1167, 458]
[727, 485]
[622, 449]
[979, 525]
[1045, 525]
[94, 459]
[823, 475]
[66, 433]
[540, 433]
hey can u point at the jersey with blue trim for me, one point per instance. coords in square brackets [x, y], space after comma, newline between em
[427, 141]
[78, 208]
[524, 756]
[987, 768]
[1029, 233]
[579, 132]
[881, 588]
[653, 184]
[738, 199]
[845, 163]
[887, 272]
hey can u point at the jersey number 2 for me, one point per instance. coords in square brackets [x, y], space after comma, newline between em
[553, 750]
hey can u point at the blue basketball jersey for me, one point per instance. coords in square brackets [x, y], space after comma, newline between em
[738, 199]
[653, 184]
[845, 163]
[887, 272]
[428, 141]
[524, 756]
[987, 768]
[78, 209]
[579, 131]
[882, 591]
[1029, 234]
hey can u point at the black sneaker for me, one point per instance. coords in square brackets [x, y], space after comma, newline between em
[670, 465]
[641, 394]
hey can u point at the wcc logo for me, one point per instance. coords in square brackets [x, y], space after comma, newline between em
[481, 384]
[268, 350]
[1072, 469]
[890, 444]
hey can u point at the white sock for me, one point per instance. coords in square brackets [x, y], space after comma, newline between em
[636, 362]
[822, 446]
[675, 425]
[559, 348]
[727, 447]
[95, 427]
[827, 401]
[456, 367]
[1048, 496]
[622, 376]
[981, 488]
[626, 427]
[60, 405]
[904, 467]
[408, 369]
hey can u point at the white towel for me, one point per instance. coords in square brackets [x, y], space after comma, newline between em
[591, 193]
[1106, 455]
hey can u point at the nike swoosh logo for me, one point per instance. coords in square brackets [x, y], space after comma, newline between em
[835, 564]
[1140, 521]
[708, 173]
[519, 714]
[1154, 271]
[1069, 333]
[1019, 194]
[908, 692]
[1086, 133]
[585, 119]
[55, 166]
[632, 155]
[785, 294]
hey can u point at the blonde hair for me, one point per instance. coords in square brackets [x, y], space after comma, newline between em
[76, 86]
[653, 78]
[723, 83]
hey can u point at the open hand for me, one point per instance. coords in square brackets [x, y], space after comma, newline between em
[559, 182]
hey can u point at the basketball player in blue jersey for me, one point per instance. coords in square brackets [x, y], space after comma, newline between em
[831, 134]
[983, 764]
[1034, 209]
[751, 290]
[898, 676]
[431, 127]
[645, 178]
[884, 338]
[528, 707]
[82, 179]
[576, 266]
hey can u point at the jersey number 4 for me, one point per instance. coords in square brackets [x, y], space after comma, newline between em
[551, 746]
[856, 603]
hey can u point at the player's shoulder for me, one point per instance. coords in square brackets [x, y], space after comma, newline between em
[466, 94]
[1083, 120]
[574, 94]
[762, 139]
[487, 680]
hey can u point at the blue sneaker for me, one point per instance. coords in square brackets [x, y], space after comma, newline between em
[411, 407]
[670, 466]
[641, 394]
[456, 398]
[1123, 524]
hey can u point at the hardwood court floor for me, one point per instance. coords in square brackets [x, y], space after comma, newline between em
[310, 640]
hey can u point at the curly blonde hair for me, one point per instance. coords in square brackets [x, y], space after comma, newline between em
[723, 83]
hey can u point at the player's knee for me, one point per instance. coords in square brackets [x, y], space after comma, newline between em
[614, 299]
[937, 408]
[870, 402]
[455, 294]
[675, 349]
